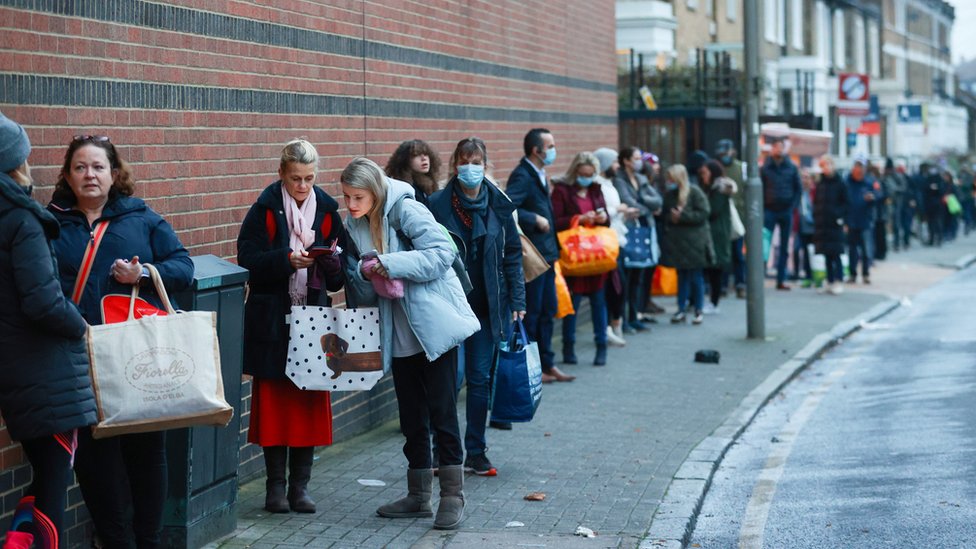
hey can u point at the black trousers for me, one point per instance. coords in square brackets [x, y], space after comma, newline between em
[638, 288]
[427, 399]
[50, 459]
[714, 278]
[123, 480]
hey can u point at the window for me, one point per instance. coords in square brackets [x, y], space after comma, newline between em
[781, 22]
[769, 20]
[796, 23]
[731, 10]
[840, 52]
[874, 49]
[692, 4]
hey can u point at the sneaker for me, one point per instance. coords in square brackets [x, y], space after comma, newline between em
[837, 289]
[638, 326]
[614, 339]
[679, 317]
[479, 465]
[698, 318]
[500, 425]
[740, 293]
[710, 309]
[867, 279]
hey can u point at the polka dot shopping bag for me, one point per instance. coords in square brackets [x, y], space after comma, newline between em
[334, 349]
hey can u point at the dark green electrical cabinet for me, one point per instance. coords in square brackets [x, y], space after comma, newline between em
[201, 503]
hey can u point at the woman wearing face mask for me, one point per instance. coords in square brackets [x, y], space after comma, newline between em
[289, 217]
[479, 218]
[688, 240]
[417, 163]
[636, 191]
[576, 195]
[394, 237]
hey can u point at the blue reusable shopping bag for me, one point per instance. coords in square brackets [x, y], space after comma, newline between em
[518, 379]
[639, 252]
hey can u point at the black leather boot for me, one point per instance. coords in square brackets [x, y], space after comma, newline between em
[300, 472]
[275, 458]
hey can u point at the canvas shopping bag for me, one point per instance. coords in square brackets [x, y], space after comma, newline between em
[638, 251]
[334, 349]
[585, 251]
[157, 372]
[818, 264]
[518, 379]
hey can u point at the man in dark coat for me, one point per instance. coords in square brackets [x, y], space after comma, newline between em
[528, 188]
[933, 189]
[781, 192]
[862, 197]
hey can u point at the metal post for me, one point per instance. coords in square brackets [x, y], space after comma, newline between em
[755, 266]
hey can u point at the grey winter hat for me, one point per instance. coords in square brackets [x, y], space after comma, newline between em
[14, 145]
[606, 157]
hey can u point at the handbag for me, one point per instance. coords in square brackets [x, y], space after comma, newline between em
[738, 229]
[517, 389]
[334, 349]
[533, 264]
[638, 251]
[564, 301]
[586, 251]
[157, 372]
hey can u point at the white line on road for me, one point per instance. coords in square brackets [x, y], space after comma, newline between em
[757, 511]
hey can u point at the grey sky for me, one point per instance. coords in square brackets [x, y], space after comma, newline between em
[963, 44]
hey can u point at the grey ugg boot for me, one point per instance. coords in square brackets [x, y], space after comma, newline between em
[300, 472]
[450, 510]
[417, 502]
[275, 459]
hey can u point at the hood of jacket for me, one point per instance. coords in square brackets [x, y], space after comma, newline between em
[14, 196]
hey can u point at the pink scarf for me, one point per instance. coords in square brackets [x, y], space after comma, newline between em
[301, 235]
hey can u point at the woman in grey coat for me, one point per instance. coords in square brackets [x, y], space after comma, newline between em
[394, 242]
[636, 191]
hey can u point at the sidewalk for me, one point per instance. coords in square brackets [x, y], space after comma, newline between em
[603, 448]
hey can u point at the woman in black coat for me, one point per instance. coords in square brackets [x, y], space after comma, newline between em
[45, 393]
[290, 216]
[829, 212]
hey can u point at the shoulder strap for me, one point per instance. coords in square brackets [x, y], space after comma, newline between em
[394, 219]
[88, 259]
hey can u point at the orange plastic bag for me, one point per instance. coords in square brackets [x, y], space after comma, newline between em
[564, 303]
[585, 251]
[665, 281]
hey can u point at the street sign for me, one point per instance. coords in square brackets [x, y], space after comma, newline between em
[853, 95]
[871, 124]
[851, 140]
[910, 114]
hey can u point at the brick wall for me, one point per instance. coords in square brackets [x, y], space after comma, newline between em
[201, 94]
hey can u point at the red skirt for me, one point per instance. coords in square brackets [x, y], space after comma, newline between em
[284, 415]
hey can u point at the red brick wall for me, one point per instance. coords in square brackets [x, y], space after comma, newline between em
[201, 94]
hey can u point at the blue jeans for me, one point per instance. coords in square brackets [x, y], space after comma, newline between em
[691, 281]
[859, 250]
[540, 309]
[479, 357]
[784, 220]
[598, 312]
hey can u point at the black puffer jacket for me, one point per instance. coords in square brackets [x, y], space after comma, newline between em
[44, 384]
[829, 214]
[262, 249]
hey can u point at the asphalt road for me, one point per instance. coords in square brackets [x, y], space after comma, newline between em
[873, 446]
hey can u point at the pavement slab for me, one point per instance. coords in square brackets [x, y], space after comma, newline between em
[604, 448]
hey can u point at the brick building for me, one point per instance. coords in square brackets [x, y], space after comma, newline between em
[201, 94]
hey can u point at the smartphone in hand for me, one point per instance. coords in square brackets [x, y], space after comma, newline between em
[316, 251]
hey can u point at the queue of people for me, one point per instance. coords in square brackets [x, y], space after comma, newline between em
[400, 241]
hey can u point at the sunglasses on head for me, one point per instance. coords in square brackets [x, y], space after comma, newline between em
[96, 138]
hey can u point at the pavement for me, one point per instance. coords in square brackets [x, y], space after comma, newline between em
[605, 449]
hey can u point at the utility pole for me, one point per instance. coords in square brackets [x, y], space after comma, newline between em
[755, 266]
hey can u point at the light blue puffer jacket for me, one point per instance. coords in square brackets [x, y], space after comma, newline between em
[434, 301]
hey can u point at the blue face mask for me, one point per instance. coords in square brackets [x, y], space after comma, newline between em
[550, 156]
[638, 164]
[727, 159]
[672, 186]
[471, 175]
[584, 181]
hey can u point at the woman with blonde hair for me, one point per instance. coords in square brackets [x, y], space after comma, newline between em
[289, 217]
[575, 196]
[688, 240]
[400, 260]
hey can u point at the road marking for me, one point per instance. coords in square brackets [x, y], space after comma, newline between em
[757, 511]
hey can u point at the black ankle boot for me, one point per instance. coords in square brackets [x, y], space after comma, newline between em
[601, 355]
[569, 354]
[300, 472]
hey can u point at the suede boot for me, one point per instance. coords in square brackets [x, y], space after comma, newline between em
[300, 472]
[275, 458]
[450, 510]
[417, 502]
[601, 355]
[18, 540]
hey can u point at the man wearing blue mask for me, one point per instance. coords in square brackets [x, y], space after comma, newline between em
[725, 152]
[528, 188]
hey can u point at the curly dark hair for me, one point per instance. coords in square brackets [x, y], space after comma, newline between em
[123, 183]
[398, 166]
